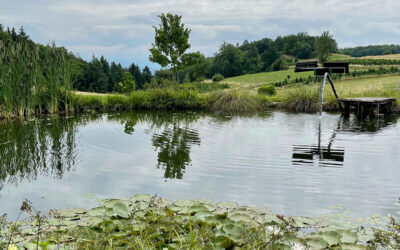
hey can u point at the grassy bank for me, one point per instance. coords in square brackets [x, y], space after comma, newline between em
[306, 98]
[228, 101]
[146, 222]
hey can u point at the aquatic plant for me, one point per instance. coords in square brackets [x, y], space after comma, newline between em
[151, 222]
[34, 79]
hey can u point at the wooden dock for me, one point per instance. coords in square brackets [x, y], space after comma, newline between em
[367, 106]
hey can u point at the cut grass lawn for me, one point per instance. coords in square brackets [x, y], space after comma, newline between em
[265, 77]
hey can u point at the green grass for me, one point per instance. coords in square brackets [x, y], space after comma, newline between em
[265, 78]
[306, 98]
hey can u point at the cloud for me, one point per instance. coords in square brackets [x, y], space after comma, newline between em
[122, 29]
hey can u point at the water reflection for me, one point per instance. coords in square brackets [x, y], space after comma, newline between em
[173, 146]
[328, 156]
[40, 147]
[358, 125]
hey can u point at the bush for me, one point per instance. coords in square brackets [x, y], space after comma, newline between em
[267, 90]
[218, 77]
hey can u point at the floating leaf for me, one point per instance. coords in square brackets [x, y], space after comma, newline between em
[185, 203]
[332, 237]
[317, 243]
[121, 209]
[97, 211]
[348, 236]
[352, 246]
[228, 205]
[141, 197]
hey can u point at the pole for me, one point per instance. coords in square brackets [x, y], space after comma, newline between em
[334, 91]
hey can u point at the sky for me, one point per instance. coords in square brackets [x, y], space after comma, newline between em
[122, 30]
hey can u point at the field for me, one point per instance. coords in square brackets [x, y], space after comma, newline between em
[264, 78]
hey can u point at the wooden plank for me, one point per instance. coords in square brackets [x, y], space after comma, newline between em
[370, 100]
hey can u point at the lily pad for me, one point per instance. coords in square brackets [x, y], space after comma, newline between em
[97, 211]
[185, 203]
[348, 236]
[121, 209]
[332, 237]
[228, 205]
[69, 212]
[317, 243]
[141, 197]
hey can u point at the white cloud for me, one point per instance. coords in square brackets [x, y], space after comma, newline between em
[119, 26]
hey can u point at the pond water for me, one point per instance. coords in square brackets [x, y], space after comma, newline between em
[295, 164]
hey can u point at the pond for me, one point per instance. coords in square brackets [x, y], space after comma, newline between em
[295, 164]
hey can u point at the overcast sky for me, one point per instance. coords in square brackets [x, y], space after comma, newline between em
[122, 30]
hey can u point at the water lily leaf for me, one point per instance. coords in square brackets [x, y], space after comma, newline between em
[348, 236]
[31, 246]
[201, 207]
[352, 246]
[234, 231]
[317, 243]
[272, 218]
[97, 211]
[201, 215]
[216, 219]
[69, 212]
[141, 197]
[205, 201]
[365, 235]
[332, 237]
[121, 209]
[228, 205]
[261, 210]
[109, 203]
[241, 217]
[300, 221]
[185, 203]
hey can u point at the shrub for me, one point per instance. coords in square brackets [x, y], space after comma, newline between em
[267, 90]
[218, 77]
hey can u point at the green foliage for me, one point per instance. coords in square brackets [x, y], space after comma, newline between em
[279, 64]
[127, 84]
[202, 87]
[324, 46]
[389, 238]
[171, 42]
[218, 77]
[34, 79]
[371, 50]
[228, 61]
[267, 90]
[151, 222]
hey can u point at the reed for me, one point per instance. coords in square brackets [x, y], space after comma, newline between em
[34, 79]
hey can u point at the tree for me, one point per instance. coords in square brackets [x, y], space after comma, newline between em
[324, 46]
[229, 60]
[146, 75]
[171, 42]
[127, 84]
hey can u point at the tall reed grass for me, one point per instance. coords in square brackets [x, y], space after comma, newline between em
[34, 79]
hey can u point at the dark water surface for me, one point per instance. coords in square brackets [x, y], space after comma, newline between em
[295, 164]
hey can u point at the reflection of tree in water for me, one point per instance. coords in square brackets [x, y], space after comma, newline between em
[173, 147]
[40, 147]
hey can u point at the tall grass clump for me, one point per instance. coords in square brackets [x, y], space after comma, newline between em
[235, 101]
[34, 79]
[302, 99]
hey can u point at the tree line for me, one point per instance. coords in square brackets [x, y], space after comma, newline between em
[371, 50]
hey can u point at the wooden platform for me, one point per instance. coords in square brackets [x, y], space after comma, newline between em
[372, 106]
